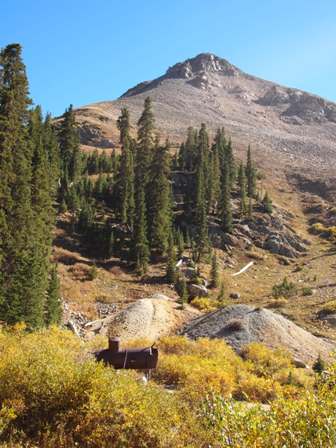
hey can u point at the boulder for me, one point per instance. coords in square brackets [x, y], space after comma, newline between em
[235, 295]
[144, 319]
[198, 290]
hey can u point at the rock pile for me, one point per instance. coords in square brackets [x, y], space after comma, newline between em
[242, 324]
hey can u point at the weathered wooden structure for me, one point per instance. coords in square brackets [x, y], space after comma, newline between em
[136, 358]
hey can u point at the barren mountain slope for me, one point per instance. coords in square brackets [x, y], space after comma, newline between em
[297, 128]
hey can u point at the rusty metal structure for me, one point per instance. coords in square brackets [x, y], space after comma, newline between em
[138, 358]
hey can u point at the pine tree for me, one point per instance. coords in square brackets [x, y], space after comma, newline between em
[267, 204]
[180, 243]
[250, 209]
[123, 124]
[226, 201]
[188, 152]
[126, 172]
[27, 190]
[229, 162]
[201, 214]
[145, 144]
[214, 271]
[171, 262]
[140, 241]
[69, 151]
[251, 175]
[214, 180]
[182, 291]
[53, 312]
[242, 189]
[111, 245]
[159, 201]
[319, 365]
[42, 196]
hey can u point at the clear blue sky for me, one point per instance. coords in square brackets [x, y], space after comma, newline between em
[80, 51]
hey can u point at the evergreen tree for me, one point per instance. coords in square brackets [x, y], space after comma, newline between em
[69, 151]
[126, 172]
[250, 208]
[242, 189]
[226, 201]
[201, 214]
[145, 144]
[123, 124]
[182, 291]
[159, 200]
[251, 175]
[42, 196]
[53, 304]
[180, 243]
[267, 204]
[214, 180]
[229, 162]
[140, 241]
[171, 262]
[26, 192]
[319, 365]
[111, 245]
[214, 271]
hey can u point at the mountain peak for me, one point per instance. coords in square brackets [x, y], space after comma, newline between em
[203, 63]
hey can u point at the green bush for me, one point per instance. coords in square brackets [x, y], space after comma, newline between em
[284, 289]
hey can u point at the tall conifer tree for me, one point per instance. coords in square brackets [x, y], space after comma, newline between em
[250, 174]
[242, 189]
[159, 202]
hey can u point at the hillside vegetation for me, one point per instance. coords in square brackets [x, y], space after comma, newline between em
[57, 396]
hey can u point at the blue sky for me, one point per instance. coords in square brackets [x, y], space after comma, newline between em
[80, 51]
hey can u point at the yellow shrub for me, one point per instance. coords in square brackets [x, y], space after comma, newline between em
[253, 388]
[205, 304]
[329, 307]
[318, 228]
[265, 362]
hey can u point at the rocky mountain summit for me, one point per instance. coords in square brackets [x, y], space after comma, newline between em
[295, 127]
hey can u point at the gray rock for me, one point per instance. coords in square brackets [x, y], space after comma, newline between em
[198, 290]
[235, 295]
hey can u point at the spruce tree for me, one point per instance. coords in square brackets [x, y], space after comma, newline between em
[111, 245]
[145, 143]
[229, 162]
[53, 312]
[242, 189]
[159, 201]
[182, 291]
[180, 243]
[123, 124]
[140, 241]
[171, 262]
[267, 204]
[214, 271]
[69, 151]
[226, 201]
[26, 192]
[202, 240]
[126, 172]
[214, 180]
[251, 175]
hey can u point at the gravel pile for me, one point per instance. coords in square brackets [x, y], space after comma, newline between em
[242, 324]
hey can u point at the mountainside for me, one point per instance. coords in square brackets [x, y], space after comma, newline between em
[296, 127]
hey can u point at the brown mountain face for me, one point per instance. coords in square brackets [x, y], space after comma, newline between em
[295, 128]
